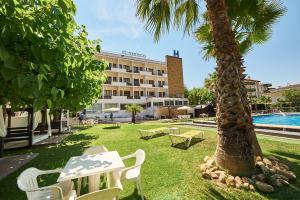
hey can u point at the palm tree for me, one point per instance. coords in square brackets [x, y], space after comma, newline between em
[251, 23]
[237, 142]
[211, 81]
[134, 109]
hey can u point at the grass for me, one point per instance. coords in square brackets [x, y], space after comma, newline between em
[168, 173]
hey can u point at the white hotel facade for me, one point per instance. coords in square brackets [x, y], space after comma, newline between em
[133, 79]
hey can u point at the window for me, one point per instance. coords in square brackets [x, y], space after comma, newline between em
[114, 65]
[110, 105]
[167, 103]
[120, 79]
[171, 103]
[141, 81]
[127, 93]
[148, 105]
[120, 66]
[185, 103]
[142, 93]
[96, 107]
[115, 93]
[107, 92]
[151, 94]
[114, 79]
[121, 92]
[178, 103]
[155, 104]
[123, 106]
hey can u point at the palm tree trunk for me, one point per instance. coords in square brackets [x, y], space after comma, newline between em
[133, 117]
[235, 129]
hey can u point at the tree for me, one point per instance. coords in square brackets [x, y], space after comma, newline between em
[292, 96]
[134, 109]
[201, 96]
[237, 142]
[251, 22]
[46, 59]
[211, 81]
[264, 100]
[186, 92]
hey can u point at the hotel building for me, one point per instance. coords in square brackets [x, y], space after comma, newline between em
[133, 79]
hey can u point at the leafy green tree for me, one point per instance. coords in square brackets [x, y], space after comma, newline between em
[186, 92]
[134, 109]
[201, 96]
[292, 96]
[264, 100]
[46, 59]
[237, 142]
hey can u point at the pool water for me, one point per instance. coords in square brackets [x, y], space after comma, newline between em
[278, 119]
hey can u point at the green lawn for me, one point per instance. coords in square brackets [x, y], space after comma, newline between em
[168, 173]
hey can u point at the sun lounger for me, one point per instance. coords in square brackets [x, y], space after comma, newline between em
[186, 137]
[151, 132]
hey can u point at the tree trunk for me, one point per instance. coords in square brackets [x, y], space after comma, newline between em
[235, 129]
[133, 117]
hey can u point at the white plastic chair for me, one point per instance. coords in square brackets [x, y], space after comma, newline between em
[27, 182]
[90, 151]
[133, 173]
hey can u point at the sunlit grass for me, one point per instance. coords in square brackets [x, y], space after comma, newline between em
[168, 173]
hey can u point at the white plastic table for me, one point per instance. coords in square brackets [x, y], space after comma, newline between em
[92, 166]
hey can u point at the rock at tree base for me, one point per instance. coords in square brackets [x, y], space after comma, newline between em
[261, 186]
[288, 174]
[230, 181]
[206, 175]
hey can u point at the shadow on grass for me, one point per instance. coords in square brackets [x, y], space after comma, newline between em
[154, 136]
[212, 193]
[50, 157]
[133, 196]
[183, 146]
[293, 191]
[112, 127]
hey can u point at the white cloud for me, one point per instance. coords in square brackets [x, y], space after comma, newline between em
[117, 17]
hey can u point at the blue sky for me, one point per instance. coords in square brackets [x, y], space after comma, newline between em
[114, 22]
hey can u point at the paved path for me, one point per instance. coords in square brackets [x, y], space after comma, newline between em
[9, 164]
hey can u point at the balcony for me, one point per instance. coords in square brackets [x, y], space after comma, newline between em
[118, 83]
[145, 73]
[108, 82]
[129, 97]
[128, 83]
[137, 96]
[165, 86]
[165, 75]
[159, 85]
[136, 84]
[159, 74]
[136, 71]
[107, 97]
[146, 85]
[118, 70]
[128, 70]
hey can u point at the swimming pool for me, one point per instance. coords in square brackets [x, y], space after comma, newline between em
[278, 119]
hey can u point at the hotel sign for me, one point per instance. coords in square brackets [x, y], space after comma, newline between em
[128, 53]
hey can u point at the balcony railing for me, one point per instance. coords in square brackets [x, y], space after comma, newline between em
[128, 70]
[107, 82]
[137, 96]
[129, 97]
[159, 73]
[128, 83]
[107, 97]
[136, 84]
[136, 71]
